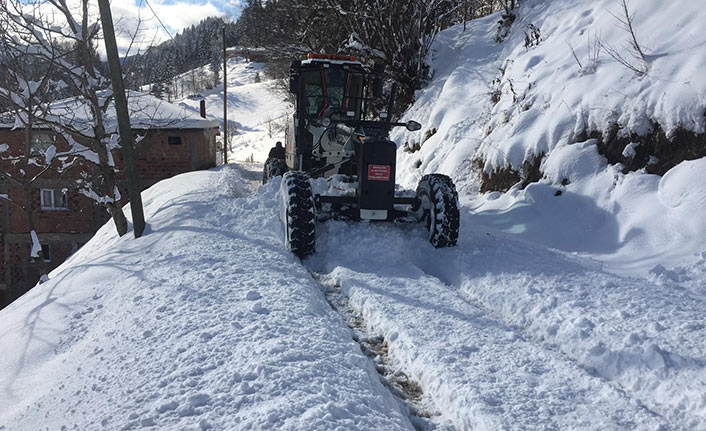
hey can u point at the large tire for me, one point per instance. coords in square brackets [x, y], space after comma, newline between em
[274, 167]
[298, 213]
[439, 209]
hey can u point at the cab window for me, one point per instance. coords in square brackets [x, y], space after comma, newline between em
[313, 93]
[343, 91]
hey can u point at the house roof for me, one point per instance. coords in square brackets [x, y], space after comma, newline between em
[146, 112]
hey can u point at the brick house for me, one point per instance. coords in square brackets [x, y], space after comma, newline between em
[173, 141]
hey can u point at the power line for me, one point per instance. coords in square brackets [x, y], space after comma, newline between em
[160, 21]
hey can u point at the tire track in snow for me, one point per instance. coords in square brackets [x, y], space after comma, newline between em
[420, 411]
[527, 336]
[478, 371]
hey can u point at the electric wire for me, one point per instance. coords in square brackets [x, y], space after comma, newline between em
[159, 20]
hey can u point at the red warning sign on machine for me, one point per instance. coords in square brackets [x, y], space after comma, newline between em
[379, 172]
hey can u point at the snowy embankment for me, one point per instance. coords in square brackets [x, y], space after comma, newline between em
[204, 323]
[256, 112]
[505, 103]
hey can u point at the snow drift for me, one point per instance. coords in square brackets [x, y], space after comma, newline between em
[532, 105]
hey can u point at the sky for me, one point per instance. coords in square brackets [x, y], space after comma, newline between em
[135, 17]
[137, 22]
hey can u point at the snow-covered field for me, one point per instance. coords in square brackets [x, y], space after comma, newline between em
[255, 110]
[574, 311]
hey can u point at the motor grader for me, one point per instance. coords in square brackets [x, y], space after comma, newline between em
[332, 135]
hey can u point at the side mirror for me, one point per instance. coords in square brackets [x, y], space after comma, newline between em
[413, 126]
[294, 78]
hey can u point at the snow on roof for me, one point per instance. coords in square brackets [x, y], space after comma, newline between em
[330, 61]
[146, 112]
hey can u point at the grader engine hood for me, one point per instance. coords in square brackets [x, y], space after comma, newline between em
[376, 177]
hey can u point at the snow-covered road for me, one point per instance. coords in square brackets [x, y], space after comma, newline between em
[501, 335]
[208, 322]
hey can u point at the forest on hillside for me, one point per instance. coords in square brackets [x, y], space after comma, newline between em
[396, 33]
[194, 47]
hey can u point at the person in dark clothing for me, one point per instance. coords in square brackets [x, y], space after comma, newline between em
[275, 165]
[277, 151]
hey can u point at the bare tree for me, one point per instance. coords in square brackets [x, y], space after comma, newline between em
[85, 120]
[635, 59]
[399, 33]
[28, 87]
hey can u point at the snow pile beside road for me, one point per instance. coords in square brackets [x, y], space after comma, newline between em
[204, 323]
[633, 223]
[504, 103]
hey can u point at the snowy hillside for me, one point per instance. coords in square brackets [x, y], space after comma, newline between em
[255, 109]
[527, 107]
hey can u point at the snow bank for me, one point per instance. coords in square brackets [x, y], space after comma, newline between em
[503, 103]
[206, 322]
[548, 98]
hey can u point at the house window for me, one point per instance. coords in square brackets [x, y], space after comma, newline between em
[53, 199]
[174, 140]
[46, 251]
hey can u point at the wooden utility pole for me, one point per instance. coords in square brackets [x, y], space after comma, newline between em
[127, 141]
[225, 100]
